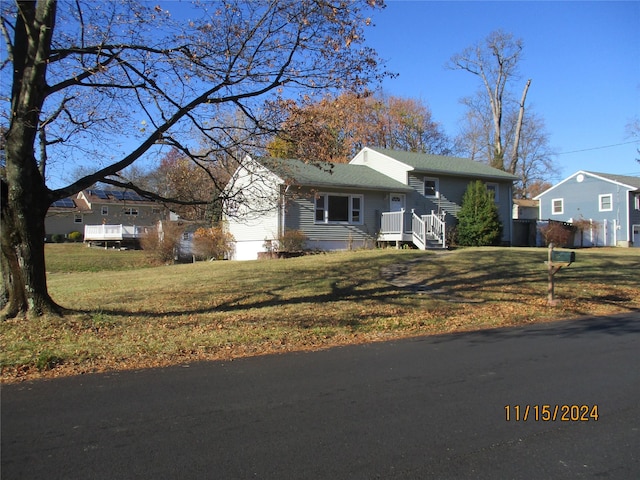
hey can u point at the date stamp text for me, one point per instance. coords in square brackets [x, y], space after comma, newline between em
[551, 413]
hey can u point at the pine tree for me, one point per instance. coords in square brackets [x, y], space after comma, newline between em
[478, 220]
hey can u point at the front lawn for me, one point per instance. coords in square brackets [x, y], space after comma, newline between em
[135, 315]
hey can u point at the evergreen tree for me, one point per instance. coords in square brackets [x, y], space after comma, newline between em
[478, 220]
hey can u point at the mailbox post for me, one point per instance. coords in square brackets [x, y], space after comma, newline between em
[556, 260]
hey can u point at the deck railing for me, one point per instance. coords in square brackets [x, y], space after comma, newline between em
[112, 232]
[423, 228]
[392, 222]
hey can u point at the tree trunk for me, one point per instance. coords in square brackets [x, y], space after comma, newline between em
[23, 262]
[513, 164]
[24, 196]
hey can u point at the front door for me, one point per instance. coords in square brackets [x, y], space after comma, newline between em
[397, 202]
[636, 236]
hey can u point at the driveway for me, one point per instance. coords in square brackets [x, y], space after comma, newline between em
[428, 407]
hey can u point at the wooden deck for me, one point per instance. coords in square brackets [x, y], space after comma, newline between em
[105, 233]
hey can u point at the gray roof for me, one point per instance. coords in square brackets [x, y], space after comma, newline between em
[441, 164]
[625, 179]
[338, 175]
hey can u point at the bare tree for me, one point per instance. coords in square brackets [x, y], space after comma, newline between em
[495, 62]
[116, 81]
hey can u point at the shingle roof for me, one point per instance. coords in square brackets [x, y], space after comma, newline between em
[441, 164]
[340, 175]
[625, 179]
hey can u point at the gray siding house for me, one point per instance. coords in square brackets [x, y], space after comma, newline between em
[380, 196]
[96, 212]
[609, 202]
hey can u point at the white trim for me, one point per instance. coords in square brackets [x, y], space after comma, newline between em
[436, 180]
[601, 197]
[585, 173]
[325, 209]
[553, 207]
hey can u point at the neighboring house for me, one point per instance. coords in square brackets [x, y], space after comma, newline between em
[101, 214]
[609, 203]
[525, 209]
[380, 196]
[525, 225]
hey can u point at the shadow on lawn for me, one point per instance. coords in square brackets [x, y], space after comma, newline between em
[444, 276]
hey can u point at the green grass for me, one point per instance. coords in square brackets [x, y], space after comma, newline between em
[76, 257]
[133, 315]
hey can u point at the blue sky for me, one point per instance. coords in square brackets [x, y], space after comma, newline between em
[583, 59]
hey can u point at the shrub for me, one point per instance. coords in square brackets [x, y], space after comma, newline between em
[162, 243]
[213, 243]
[75, 237]
[558, 233]
[478, 220]
[57, 238]
[291, 241]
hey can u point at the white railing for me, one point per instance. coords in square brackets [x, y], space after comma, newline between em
[392, 222]
[423, 228]
[418, 227]
[436, 226]
[112, 232]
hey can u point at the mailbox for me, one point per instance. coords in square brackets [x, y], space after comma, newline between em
[563, 256]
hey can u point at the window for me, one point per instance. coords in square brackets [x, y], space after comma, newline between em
[431, 187]
[606, 202]
[493, 187]
[338, 208]
[105, 210]
[557, 206]
[131, 211]
[637, 202]
[77, 218]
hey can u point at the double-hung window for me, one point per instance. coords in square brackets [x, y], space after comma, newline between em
[493, 187]
[605, 202]
[337, 208]
[130, 211]
[431, 187]
[557, 206]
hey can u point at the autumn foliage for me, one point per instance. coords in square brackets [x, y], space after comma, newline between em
[334, 129]
[213, 243]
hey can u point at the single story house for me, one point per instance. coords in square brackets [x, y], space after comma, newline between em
[610, 203]
[99, 212]
[380, 196]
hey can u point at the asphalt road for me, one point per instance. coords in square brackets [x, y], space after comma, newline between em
[430, 407]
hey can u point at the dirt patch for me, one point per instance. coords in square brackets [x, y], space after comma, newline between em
[401, 275]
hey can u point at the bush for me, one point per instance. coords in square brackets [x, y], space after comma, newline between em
[291, 241]
[478, 220]
[213, 243]
[558, 233]
[57, 238]
[75, 237]
[162, 243]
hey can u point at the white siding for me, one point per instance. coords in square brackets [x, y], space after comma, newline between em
[253, 214]
[383, 164]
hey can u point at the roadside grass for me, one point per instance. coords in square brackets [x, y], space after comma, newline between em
[133, 315]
